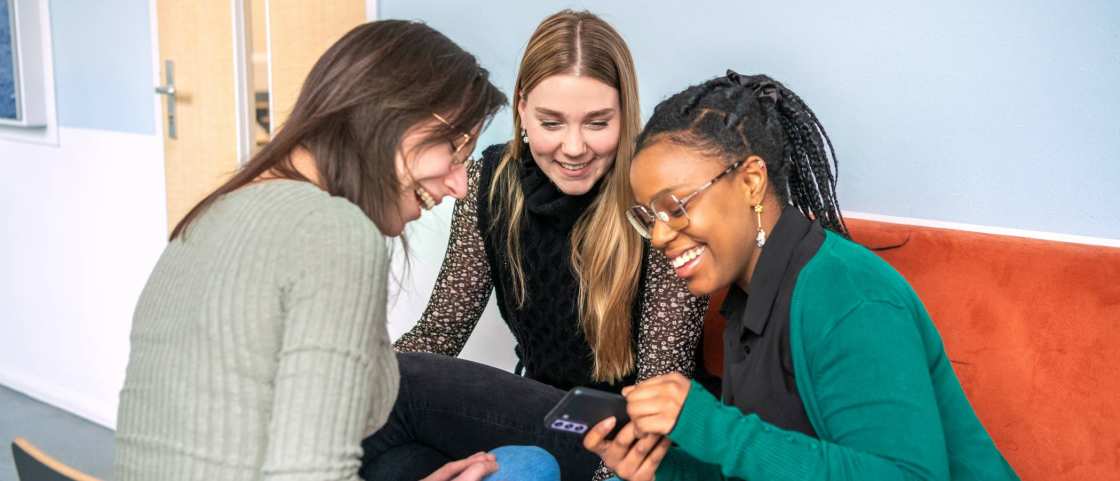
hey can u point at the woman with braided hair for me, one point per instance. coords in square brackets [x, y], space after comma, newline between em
[832, 368]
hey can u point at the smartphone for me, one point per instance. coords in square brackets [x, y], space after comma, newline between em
[582, 408]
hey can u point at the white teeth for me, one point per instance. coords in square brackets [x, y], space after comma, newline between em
[571, 166]
[687, 257]
[426, 200]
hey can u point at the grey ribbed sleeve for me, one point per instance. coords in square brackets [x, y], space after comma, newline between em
[259, 346]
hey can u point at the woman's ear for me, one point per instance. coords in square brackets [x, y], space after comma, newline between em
[404, 171]
[754, 179]
[521, 110]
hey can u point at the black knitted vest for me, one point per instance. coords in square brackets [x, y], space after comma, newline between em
[551, 346]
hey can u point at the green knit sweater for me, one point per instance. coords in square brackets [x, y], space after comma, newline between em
[876, 383]
[259, 346]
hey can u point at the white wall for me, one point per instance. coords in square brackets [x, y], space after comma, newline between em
[83, 210]
[491, 343]
[84, 223]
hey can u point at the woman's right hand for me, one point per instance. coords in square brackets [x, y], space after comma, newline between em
[631, 458]
[473, 468]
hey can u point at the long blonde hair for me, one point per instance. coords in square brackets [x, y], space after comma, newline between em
[606, 252]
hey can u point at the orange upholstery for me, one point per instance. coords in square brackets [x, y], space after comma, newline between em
[1033, 330]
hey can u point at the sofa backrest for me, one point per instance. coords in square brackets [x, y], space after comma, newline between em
[1032, 328]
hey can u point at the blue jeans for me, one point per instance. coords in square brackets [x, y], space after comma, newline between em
[449, 409]
[524, 463]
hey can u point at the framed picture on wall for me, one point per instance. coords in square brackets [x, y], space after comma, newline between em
[21, 64]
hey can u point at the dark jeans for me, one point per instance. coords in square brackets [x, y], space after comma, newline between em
[451, 408]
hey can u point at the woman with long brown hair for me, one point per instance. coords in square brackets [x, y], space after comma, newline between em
[259, 346]
[587, 301]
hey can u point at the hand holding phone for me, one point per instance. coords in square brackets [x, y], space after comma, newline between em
[656, 403]
[630, 456]
[582, 407]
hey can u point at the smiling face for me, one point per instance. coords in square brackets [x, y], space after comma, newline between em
[573, 124]
[717, 247]
[428, 173]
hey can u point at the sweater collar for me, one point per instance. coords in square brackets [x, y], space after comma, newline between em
[543, 198]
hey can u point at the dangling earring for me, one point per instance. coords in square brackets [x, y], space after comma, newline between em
[524, 137]
[760, 239]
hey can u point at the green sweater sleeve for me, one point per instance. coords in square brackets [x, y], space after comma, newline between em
[680, 466]
[866, 378]
[336, 376]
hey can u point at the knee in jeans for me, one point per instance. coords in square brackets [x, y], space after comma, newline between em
[524, 463]
[420, 366]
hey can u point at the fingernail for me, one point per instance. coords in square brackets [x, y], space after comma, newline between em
[608, 425]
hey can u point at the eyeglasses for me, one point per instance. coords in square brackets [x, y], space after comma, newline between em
[456, 147]
[668, 208]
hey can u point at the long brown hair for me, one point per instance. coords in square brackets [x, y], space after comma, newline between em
[361, 97]
[605, 250]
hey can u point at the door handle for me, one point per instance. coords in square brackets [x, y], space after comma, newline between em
[168, 90]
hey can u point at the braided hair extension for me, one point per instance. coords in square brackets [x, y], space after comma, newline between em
[736, 116]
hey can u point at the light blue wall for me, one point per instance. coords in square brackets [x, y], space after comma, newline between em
[103, 64]
[1002, 113]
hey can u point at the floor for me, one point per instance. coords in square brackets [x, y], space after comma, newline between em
[70, 439]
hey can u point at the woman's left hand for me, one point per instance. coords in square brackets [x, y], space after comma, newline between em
[631, 458]
[655, 404]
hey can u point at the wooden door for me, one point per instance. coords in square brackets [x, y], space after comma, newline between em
[210, 46]
[299, 35]
[197, 38]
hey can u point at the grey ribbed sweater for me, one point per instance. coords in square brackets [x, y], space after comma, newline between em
[259, 346]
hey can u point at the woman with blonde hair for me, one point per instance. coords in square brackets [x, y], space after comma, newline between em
[586, 299]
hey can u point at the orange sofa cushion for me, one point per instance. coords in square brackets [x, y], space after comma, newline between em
[1031, 327]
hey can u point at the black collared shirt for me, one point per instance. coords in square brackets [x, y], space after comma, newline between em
[758, 372]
